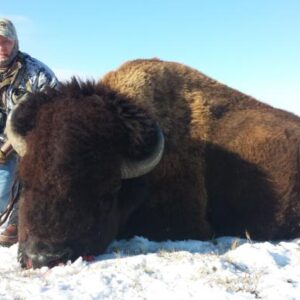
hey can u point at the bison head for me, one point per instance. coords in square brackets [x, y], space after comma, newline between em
[77, 145]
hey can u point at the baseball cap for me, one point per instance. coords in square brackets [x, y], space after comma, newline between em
[7, 29]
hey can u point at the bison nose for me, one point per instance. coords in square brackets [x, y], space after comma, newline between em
[45, 257]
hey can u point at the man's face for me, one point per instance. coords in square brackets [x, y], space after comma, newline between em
[6, 47]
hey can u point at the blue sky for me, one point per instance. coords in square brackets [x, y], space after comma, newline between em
[251, 45]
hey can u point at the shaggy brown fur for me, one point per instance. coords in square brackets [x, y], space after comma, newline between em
[230, 165]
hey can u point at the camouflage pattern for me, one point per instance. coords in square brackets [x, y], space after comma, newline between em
[7, 29]
[28, 75]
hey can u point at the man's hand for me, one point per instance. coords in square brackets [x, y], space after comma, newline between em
[5, 151]
[2, 158]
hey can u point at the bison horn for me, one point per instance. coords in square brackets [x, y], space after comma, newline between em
[17, 141]
[132, 169]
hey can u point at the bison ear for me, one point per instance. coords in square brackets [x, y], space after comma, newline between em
[23, 117]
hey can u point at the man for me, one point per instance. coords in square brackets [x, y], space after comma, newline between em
[19, 74]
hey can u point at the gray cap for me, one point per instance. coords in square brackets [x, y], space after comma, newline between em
[7, 29]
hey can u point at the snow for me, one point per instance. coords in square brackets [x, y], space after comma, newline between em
[225, 268]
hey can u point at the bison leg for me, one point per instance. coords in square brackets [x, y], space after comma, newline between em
[176, 208]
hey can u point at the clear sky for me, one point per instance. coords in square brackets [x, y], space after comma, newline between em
[251, 45]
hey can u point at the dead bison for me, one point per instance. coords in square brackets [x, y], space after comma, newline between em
[155, 149]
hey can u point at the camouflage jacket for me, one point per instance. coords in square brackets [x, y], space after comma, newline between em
[26, 75]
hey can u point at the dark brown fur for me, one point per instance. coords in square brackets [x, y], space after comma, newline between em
[231, 163]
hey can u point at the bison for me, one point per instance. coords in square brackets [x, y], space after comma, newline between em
[155, 149]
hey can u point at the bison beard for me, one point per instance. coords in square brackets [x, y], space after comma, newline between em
[155, 149]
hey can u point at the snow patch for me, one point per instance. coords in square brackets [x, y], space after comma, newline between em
[226, 268]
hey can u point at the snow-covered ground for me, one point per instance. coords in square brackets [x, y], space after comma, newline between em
[226, 268]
